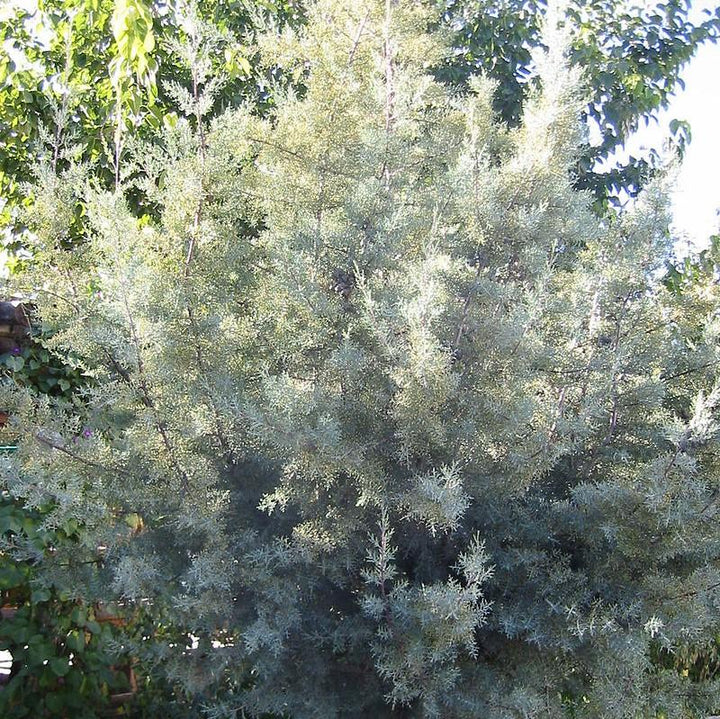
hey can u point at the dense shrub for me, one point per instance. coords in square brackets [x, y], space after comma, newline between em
[382, 413]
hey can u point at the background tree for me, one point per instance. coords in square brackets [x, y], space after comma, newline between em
[632, 55]
[83, 74]
[394, 408]
[83, 79]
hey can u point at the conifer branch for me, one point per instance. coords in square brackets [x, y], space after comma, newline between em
[691, 593]
[202, 147]
[615, 374]
[202, 366]
[560, 410]
[198, 115]
[312, 164]
[194, 236]
[358, 36]
[98, 561]
[466, 310]
[385, 555]
[124, 374]
[57, 295]
[713, 498]
[317, 240]
[389, 92]
[691, 370]
[83, 460]
[61, 114]
[147, 400]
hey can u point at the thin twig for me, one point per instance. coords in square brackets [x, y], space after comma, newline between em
[693, 593]
[357, 38]
[89, 462]
[148, 401]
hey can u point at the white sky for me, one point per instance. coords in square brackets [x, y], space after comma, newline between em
[696, 197]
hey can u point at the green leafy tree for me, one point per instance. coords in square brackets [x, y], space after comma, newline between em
[632, 55]
[79, 80]
[405, 428]
[70, 655]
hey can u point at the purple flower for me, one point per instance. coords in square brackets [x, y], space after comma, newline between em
[15, 351]
[87, 433]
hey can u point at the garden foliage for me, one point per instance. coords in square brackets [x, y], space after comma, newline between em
[88, 77]
[65, 662]
[381, 412]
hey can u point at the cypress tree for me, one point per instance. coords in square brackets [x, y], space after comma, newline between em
[381, 413]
